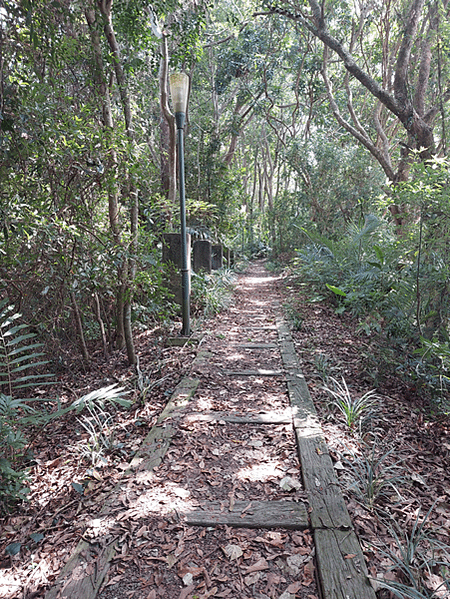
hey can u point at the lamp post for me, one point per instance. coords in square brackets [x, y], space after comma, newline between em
[179, 88]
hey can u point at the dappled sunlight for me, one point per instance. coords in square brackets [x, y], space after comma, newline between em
[162, 499]
[10, 584]
[261, 472]
[237, 356]
[258, 303]
[204, 403]
[251, 281]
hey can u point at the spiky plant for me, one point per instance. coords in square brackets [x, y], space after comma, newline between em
[354, 409]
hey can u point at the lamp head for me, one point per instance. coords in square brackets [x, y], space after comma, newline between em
[179, 88]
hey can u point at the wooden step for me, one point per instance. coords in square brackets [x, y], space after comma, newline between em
[250, 514]
[262, 418]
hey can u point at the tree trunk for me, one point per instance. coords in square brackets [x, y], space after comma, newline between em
[79, 326]
[113, 190]
[129, 189]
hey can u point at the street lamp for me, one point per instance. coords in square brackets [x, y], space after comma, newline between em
[179, 88]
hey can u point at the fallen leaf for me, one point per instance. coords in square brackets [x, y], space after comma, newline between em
[308, 574]
[13, 548]
[294, 563]
[114, 580]
[418, 479]
[290, 484]
[78, 488]
[152, 594]
[232, 551]
[294, 587]
[210, 593]
[171, 560]
[185, 592]
[252, 578]
[194, 570]
[260, 565]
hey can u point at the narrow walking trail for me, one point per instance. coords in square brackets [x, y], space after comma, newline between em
[217, 502]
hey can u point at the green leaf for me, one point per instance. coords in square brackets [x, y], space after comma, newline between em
[78, 488]
[13, 548]
[379, 253]
[336, 290]
[36, 536]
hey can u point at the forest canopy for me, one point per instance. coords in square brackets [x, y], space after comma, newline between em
[315, 132]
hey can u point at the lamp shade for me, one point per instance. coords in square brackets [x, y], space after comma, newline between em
[179, 88]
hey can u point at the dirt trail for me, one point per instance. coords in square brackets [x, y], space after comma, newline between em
[233, 466]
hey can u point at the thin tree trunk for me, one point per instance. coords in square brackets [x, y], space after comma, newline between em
[79, 326]
[113, 190]
[101, 324]
[129, 188]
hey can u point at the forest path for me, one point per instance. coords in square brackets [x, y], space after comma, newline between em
[217, 503]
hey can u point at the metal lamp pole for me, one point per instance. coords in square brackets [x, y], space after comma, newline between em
[179, 88]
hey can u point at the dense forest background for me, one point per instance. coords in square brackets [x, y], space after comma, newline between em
[316, 135]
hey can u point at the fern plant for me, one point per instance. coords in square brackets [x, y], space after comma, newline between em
[19, 352]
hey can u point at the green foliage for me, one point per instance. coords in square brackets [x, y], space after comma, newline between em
[356, 410]
[18, 363]
[18, 353]
[294, 316]
[97, 399]
[211, 292]
[415, 557]
[374, 478]
[99, 424]
[12, 442]
[338, 184]
[434, 368]
[397, 286]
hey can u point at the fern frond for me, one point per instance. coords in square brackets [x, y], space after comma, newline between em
[19, 355]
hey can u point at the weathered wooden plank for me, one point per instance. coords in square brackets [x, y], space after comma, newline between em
[180, 397]
[289, 355]
[83, 574]
[257, 372]
[263, 418]
[153, 449]
[181, 341]
[302, 405]
[257, 346]
[253, 514]
[341, 566]
[328, 508]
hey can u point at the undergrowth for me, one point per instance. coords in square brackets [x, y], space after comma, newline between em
[397, 290]
[211, 292]
[21, 362]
